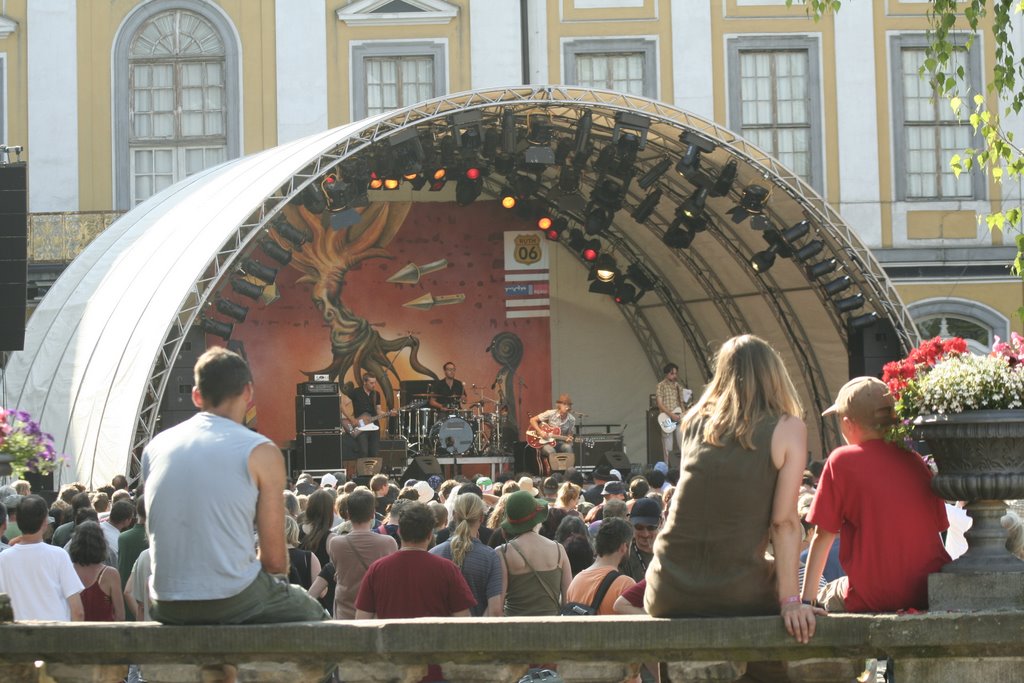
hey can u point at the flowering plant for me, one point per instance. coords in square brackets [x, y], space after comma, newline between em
[940, 377]
[30, 448]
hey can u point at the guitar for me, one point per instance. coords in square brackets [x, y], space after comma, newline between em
[670, 423]
[367, 422]
[547, 435]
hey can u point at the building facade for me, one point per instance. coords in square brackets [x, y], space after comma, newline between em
[115, 100]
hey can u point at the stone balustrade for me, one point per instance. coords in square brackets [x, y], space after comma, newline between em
[927, 648]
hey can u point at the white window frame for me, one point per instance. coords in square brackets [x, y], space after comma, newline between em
[646, 47]
[975, 312]
[122, 161]
[361, 51]
[973, 64]
[783, 43]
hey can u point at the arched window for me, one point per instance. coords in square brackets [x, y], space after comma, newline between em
[976, 323]
[176, 94]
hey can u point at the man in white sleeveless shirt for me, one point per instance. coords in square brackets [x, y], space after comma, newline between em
[208, 482]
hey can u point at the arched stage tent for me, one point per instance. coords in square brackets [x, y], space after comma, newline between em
[99, 347]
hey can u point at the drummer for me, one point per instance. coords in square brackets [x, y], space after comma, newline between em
[447, 393]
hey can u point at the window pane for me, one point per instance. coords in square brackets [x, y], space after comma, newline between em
[620, 71]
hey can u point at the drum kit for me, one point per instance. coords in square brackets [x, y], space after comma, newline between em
[453, 432]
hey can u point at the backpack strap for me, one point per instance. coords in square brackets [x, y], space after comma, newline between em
[543, 585]
[602, 589]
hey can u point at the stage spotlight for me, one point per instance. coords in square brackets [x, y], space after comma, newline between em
[605, 268]
[654, 173]
[473, 173]
[276, 252]
[508, 198]
[598, 219]
[417, 182]
[541, 155]
[762, 261]
[558, 226]
[677, 236]
[591, 250]
[840, 284]
[467, 190]
[539, 129]
[626, 293]
[376, 182]
[641, 276]
[261, 272]
[552, 234]
[582, 136]
[809, 250]
[726, 177]
[850, 303]
[646, 206]
[605, 160]
[863, 320]
[762, 223]
[314, 200]
[490, 147]
[391, 183]
[246, 288]
[797, 231]
[694, 204]
[544, 222]
[509, 134]
[334, 190]
[232, 310]
[563, 148]
[599, 287]
[407, 151]
[438, 179]
[696, 145]
[289, 232]
[752, 202]
[569, 179]
[629, 133]
[216, 327]
[577, 240]
[822, 268]
[466, 129]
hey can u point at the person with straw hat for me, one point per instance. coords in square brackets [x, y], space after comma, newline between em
[537, 570]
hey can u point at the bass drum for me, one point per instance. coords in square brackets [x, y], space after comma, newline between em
[454, 436]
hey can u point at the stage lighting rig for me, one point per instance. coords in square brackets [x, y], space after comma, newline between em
[809, 250]
[641, 276]
[726, 177]
[599, 287]
[863, 320]
[313, 199]
[626, 294]
[696, 145]
[232, 310]
[539, 133]
[850, 303]
[260, 271]
[629, 133]
[653, 174]
[407, 151]
[647, 205]
[694, 204]
[467, 129]
[762, 261]
[558, 226]
[569, 179]
[822, 268]
[581, 139]
[276, 251]
[287, 231]
[840, 284]
[605, 268]
[216, 328]
[677, 236]
[246, 288]
[752, 202]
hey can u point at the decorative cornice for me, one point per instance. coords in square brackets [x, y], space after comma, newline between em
[361, 13]
[7, 26]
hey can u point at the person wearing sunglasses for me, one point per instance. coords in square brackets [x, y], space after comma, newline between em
[645, 517]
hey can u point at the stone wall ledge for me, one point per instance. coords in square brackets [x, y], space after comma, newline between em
[934, 635]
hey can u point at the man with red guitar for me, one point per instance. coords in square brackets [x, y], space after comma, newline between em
[552, 431]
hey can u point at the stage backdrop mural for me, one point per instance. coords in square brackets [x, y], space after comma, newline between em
[403, 289]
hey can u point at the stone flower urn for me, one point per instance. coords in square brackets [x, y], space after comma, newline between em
[980, 459]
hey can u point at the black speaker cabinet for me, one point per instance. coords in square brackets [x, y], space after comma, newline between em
[13, 256]
[421, 467]
[321, 451]
[872, 347]
[317, 413]
[616, 460]
[560, 462]
[591, 448]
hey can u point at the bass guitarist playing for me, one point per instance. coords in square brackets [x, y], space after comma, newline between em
[553, 431]
[365, 406]
[672, 398]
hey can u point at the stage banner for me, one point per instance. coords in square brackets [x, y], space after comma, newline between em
[527, 274]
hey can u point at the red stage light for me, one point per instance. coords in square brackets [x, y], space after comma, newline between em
[473, 173]
[590, 254]
[552, 235]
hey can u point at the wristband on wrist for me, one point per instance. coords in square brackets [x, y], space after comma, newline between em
[792, 599]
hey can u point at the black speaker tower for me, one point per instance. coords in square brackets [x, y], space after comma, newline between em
[13, 256]
[421, 468]
[872, 347]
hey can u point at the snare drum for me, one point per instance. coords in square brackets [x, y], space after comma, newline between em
[454, 436]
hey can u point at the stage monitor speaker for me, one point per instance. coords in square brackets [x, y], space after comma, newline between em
[421, 467]
[13, 256]
[321, 451]
[871, 347]
[591, 448]
[616, 460]
[368, 466]
[317, 413]
[560, 462]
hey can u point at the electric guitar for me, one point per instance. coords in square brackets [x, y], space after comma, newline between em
[670, 423]
[367, 422]
[547, 435]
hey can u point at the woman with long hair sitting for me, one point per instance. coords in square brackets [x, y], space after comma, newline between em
[479, 563]
[744, 446]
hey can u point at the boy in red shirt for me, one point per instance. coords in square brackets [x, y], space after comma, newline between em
[878, 496]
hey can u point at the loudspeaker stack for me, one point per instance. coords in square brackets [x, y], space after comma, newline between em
[13, 256]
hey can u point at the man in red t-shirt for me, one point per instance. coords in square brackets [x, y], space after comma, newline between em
[878, 497]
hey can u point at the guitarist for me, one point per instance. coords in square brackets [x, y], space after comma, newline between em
[559, 417]
[365, 403]
[672, 398]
